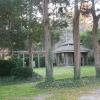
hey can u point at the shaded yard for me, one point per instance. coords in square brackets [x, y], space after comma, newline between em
[67, 72]
[63, 88]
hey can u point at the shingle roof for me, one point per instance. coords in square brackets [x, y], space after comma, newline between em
[66, 43]
[69, 48]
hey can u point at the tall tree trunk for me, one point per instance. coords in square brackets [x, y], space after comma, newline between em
[30, 53]
[95, 39]
[76, 37]
[30, 35]
[96, 47]
[48, 58]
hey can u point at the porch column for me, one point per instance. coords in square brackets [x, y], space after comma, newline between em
[86, 59]
[83, 61]
[67, 59]
[57, 55]
[64, 59]
[32, 60]
[23, 60]
[38, 60]
[18, 56]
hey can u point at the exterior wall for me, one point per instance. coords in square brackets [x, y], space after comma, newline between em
[67, 59]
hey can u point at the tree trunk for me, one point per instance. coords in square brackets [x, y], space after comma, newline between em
[48, 58]
[30, 53]
[30, 35]
[96, 47]
[95, 40]
[76, 37]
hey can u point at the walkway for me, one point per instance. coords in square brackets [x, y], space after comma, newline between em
[94, 95]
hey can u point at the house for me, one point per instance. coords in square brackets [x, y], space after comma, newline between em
[64, 51]
[64, 54]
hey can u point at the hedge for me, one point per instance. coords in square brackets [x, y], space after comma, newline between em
[21, 72]
[6, 66]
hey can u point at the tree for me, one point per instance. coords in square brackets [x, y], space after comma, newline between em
[48, 59]
[89, 8]
[95, 39]
[86, 39]
[11, 32]
[30, 47]
[76, 37]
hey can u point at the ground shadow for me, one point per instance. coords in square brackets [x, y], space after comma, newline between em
[12, 80]
[69, 82]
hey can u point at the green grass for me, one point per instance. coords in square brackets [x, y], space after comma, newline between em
[63, 90]
[67, 72]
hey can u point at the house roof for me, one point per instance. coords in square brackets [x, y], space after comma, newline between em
[66, 43]
[68, 48]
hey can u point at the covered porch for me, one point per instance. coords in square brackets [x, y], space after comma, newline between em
[67, 59]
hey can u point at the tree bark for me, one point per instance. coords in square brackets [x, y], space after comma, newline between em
[30, 53]
[48, 58]
[76, 37]
[95, 40]
[96, 47]
[30, 35]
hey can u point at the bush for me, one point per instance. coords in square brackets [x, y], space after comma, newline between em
[22, 72]
[18, 62]
[6, 66]
[42, 61]
[91, 60]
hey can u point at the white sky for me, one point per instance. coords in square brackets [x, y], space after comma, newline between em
[97, 6]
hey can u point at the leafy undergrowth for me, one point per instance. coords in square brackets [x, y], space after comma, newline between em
[72, 93]
[69, 83]
[69, 89]
[12, 80]
[64, 87]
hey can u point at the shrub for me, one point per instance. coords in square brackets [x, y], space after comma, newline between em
[18, 62]
[22, 72]
[42, 61]
[6, 66]
[91, 60]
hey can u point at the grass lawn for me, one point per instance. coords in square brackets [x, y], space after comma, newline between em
[62, 75]
[67, 72]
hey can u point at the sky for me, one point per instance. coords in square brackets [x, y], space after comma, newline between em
[97, 6]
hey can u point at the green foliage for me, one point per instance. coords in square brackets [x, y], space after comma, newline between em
[42, 61]
[90, 60]
[98, 72]
[86, 39]
[22, 72]
[6, 66]
[55, 36]
[12, 35]
[27, 90]
[18, 62]
[70, 83]
[37, 31]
